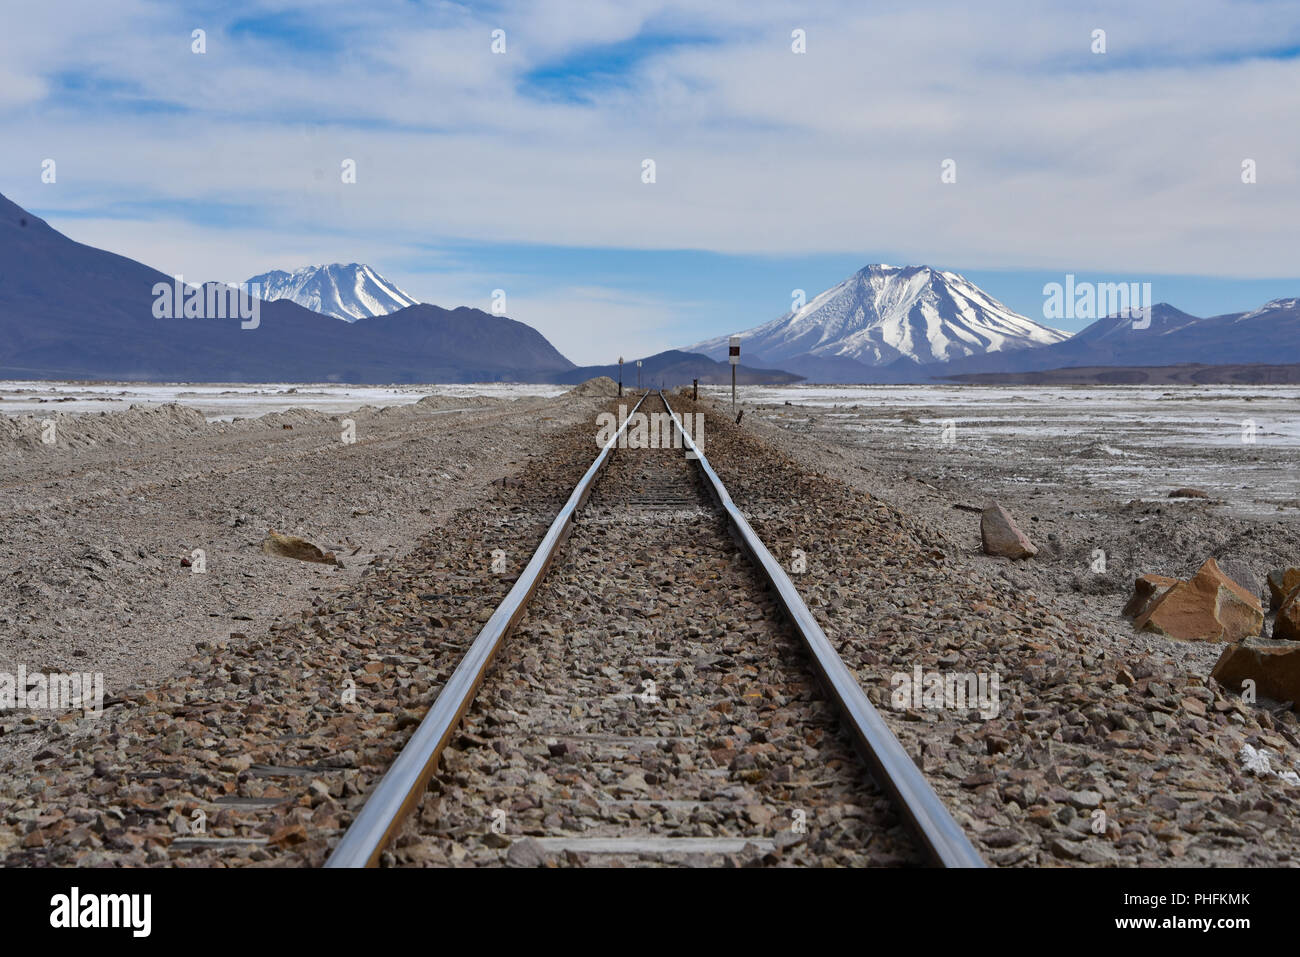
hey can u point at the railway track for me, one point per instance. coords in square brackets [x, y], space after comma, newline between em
[662, 711]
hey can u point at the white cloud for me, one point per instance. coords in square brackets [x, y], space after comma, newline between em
[1128, 162]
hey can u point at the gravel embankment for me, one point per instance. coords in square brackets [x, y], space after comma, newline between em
[100, 529]
[256, 721]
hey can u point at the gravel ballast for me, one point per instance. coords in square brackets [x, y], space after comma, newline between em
[1103, 749]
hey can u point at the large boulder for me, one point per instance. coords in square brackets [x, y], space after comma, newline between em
[1210, 606]
[1274, 666]
[1281, 582]
[1000, 536]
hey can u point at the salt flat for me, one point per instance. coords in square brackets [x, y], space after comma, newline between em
[220, 402]
[1239, 443]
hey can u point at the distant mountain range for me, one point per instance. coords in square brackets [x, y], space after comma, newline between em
[884, 322]
[918, 324]
[350, 292]
[1265, 335]
[1185, 373]
[70, 311]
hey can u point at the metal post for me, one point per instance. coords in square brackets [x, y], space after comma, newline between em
[620, 377]
[695, 390]
[733, 356]
[638, 374]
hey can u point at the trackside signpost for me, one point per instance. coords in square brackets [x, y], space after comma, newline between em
[733, 356]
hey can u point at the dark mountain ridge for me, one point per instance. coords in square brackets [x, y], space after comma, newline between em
[70, 311]
[675, 367]
[1258, 337]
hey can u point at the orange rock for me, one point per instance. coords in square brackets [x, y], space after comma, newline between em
[1145, 591]
[1208, 607]
[1274, 666]
[289, 834]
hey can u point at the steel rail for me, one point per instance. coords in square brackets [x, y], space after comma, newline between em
[942, 838]
[402, 786]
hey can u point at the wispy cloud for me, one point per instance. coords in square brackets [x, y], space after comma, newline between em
[1127, 161]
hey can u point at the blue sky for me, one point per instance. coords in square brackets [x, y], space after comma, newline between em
[775, 170]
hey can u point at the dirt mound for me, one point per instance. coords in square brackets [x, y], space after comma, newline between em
[438, 403]
[23, 435]
[601, 386]
[140, 423]
[296, 416]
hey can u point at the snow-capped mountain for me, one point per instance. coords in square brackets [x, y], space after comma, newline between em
[883, 314]
[70, 311]
[350, 292]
